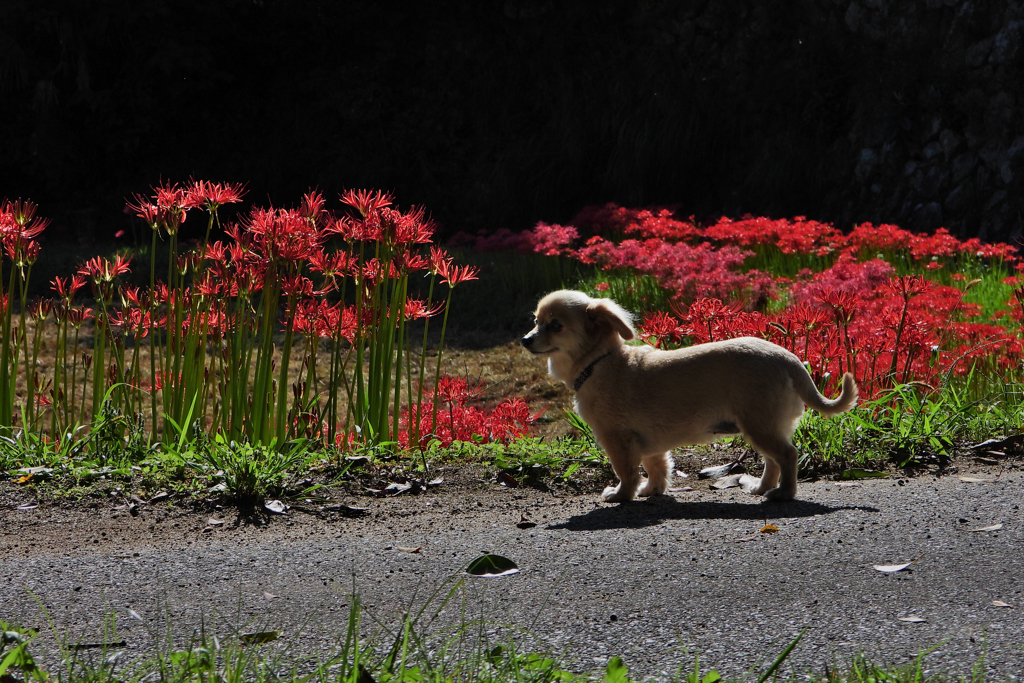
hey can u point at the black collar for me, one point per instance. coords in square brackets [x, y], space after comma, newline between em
[587, 371]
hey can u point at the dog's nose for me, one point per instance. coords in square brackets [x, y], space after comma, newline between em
[527, 340]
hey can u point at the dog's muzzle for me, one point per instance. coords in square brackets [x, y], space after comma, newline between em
[528, 340]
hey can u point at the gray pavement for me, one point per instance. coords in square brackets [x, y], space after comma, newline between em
[652, 581]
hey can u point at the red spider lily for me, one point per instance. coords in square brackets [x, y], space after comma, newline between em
[18, 220]
[146, 210]
[450, 274]
[655, 222]
[550, 240]
[415, 309]
[131, 320]
[406, 261]
[103, 270]
[211, 196]
[659, 328]
[77, 316]
[312, 205]
[456, 389]
[798, 236]
[208, 286]
[873, 239]
[843, 304]
[281, 235]
[296, 285]
[21, 250]
[331, 265]
[172, 203]
[709, 319]
[907, 286]
[40, 309]
[366, 201]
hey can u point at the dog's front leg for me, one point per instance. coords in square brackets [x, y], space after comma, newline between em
[627, 468]
[659, 474]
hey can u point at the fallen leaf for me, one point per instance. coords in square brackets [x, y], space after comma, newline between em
[769, 529]
[719, 471]
[435, 482]
[994, 527]
[893, 568]
[976, 480]
[682, 475]
[268, 596]
[214, 522]
[506, 479]
[727, 482]
[357, 460]
[405, 549]
[524, 523]
[859, 473]
[490, 565]
[988, 461]
[260, 637]
[28, 506]
[276, 506]
[682, 489]
[993, 444]
[134, 615]
[394, 488]
[163, 495]
[1000, 603]
[748, 538]
[911, 620]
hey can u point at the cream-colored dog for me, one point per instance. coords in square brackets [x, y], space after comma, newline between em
[641, 402]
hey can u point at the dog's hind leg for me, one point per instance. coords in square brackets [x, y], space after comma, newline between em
[780, 466]
[659, 474]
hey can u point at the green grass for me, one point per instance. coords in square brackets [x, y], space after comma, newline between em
[419, 646]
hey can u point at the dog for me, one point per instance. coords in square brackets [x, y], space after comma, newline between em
[641, 402]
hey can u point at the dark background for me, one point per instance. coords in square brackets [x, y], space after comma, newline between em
[500, 114]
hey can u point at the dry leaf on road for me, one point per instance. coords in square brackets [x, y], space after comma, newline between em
[893, 568]
[410, 550]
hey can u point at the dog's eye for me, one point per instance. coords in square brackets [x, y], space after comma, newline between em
[555, 326]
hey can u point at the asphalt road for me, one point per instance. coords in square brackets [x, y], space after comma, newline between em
[651, 581]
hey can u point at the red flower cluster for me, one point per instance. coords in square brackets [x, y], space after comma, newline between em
[19, 226]
[853, 314]
[458, 421]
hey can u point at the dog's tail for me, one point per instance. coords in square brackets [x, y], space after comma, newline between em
[806, 390]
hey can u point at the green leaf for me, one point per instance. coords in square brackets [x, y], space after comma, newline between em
[858, 473]
[616, 671]
[492, 565]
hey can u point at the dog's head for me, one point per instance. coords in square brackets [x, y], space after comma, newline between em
[572, 324]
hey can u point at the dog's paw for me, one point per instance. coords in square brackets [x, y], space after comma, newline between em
[649, 489]
[779, 495]
[616, 494]
[752, 485]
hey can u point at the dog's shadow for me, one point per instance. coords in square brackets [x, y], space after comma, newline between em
[658, 509]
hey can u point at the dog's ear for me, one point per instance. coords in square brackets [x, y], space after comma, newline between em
[605, 313]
